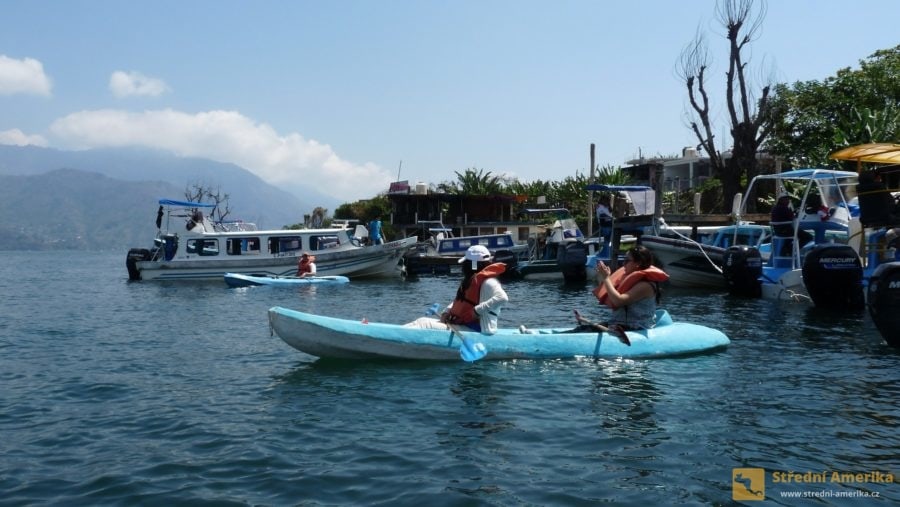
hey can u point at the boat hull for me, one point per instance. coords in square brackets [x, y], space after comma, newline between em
[329, 337]
[686, 264]
[239, 280]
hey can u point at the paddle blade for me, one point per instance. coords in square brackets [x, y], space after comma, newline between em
[471, 351]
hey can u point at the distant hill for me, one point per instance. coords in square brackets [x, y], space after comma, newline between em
[107, 199]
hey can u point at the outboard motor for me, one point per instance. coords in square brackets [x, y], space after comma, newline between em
[135, 255]
[884, 301]
[833, 277]
[512, 264]
[572, 258]
[507, 257]
[742, 267]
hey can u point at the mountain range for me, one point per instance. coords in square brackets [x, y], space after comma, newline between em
[106, 199]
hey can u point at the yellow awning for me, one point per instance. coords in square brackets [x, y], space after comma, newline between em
[879, 153]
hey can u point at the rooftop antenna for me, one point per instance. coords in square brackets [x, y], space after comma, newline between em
[398, 170]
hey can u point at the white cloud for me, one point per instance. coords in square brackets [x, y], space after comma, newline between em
[16, 137]
[128, 84]
[23, 76]
[227, 136]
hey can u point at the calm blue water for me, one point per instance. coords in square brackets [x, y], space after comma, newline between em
[151, 393]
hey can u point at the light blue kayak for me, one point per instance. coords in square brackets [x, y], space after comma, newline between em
[329, 337]
[239, 280]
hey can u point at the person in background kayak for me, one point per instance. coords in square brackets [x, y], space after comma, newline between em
[306, 266]
[631, 292]
[479, 298]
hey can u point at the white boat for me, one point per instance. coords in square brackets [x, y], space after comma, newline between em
[189, 246]
[824, 270]
[697, 262]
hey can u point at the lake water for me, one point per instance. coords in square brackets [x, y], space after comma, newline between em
[124, 393]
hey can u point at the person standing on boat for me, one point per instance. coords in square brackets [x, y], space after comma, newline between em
[306, 266]
[604, 217]
[631, 292]
[375, 233]
[479, 298]
[782, 222]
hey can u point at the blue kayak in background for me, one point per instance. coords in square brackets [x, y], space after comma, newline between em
[239, 280]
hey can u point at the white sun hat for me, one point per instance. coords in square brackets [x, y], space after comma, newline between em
[476, 254]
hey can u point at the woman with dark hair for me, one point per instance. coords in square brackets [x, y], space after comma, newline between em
[479, 297]
[632, 291]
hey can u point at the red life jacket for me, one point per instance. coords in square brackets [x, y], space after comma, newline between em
[624, 283]
[463, 310]
[303, 266]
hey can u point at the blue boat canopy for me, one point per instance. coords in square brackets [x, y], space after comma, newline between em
[186, 204]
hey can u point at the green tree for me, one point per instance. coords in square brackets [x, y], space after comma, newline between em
[472, 182]
[811, 119]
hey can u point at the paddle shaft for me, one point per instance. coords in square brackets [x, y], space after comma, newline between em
[581, 320]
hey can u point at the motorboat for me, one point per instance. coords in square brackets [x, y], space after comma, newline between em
[559, 248]
[824, 269]
[879, 240]
[440, 250]
[693, 257]
[633, 208]
[336, 338]
[191, 246]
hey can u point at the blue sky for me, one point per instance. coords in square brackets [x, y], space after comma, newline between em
[337, 93]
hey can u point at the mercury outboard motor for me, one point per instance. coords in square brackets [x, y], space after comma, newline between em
[742, 267]
[884, 301]
[135, 255]
[833, 277]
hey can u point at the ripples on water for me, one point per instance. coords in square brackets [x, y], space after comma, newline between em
[129, 393]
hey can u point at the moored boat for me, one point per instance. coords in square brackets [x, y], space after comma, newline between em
[439, 252]
[329, 337]
[697, 262]
[560, 249]
[190, 246]
[884, 301]
[242, 280]
[823, 269]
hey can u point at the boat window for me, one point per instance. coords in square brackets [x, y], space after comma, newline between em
[323, 242]
[285, 244]
[203, 246]
[243, 246]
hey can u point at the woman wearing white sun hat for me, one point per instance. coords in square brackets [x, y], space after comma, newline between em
[479, 297]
